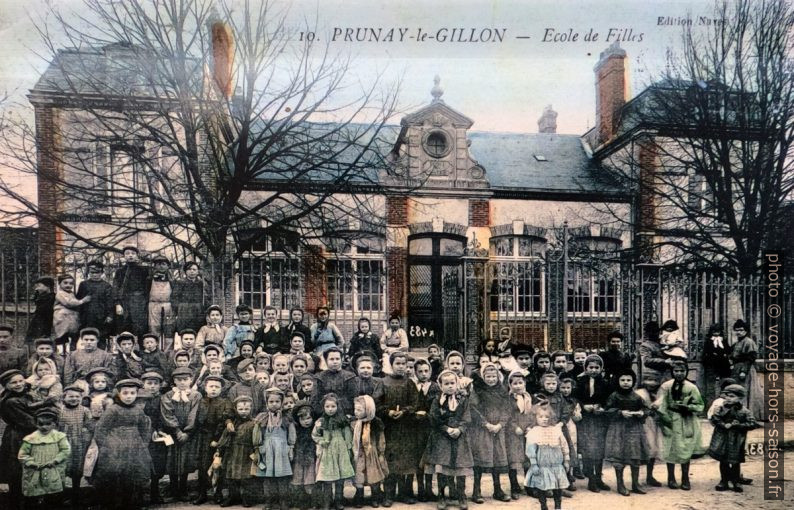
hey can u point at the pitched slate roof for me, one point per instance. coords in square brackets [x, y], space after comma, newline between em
[539, 161]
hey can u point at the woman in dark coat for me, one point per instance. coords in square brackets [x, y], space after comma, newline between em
[190, 299]
[14, 410]
[626, 442]
[123, 466]
[716, 362]
[97, 313]
[40, 324]
[592, 391]
[490, 412]
[396, 411]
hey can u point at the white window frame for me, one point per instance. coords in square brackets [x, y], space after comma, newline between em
[266, 283]
[518, 259]
[355, 258]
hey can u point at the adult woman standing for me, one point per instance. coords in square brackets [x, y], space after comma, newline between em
[189, 299]
[716, 362]
[743, 356]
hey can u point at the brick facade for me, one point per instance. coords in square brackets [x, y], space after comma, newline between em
[48, 142]
[396, 269]
[646, 212]
[396, 210]
[479, 212]
[314, 280]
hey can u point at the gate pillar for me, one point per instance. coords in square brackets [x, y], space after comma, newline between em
[474, 308]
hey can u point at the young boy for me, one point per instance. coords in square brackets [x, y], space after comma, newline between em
[242, 330]
[574, 411]
[246, 352]
[731, 423]
[249, 386]
[97, 313]
[364, 383]
[559, 362]
[45, 348]
[85, 358]
[188, 339]
[579, 355]
[214, 416]
[44, 298]
[152, 358]
[436, 361]
[213, 353]
[11, 357]
[151, 396]
[76, 422]
[179, 409]
[127, 364]
[541, 363]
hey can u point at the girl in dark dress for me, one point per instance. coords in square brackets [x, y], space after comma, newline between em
[626, 442]
[235, 447]
[304, 468]
[731, 423]
[592, 392]
[490, 412]
[123, 468]
[427, 391]
[399, 405]
[364, 340]
[448, 450]
[521, 420]
[14, 410]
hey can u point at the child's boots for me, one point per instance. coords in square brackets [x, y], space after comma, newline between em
[622, 490]
[635, 480]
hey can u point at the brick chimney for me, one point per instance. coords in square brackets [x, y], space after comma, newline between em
[222, 57]
[547, 123]
[612, 90]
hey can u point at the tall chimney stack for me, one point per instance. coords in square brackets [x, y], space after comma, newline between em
[547, 123]
[612, 90]
[222, 57]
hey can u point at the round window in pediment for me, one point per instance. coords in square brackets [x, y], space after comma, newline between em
[436, 144]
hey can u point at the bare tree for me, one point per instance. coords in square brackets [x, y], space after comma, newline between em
[709, 143]
[201, 122]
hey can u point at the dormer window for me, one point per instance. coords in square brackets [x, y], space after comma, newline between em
[437, 144]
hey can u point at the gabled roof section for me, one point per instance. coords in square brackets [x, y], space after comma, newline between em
[437, 107]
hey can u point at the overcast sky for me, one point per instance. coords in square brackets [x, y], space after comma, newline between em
[502, 86]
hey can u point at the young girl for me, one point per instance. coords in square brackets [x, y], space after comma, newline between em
[99, 394]
[427, 391]
[671, 341]
[213, 332]
[364, 340]
[521, 419]
[263, 378]
[15, 411]
[45, 385]
[274, 438]
[393, 339]
[263, 362]
[364, 383]
[66, 313]
[282, 381]
[236, 447]
[490, 411]
[573, 410]
[369, 446]
[549, 458]
[334, 445]
[242, 330]
[679, 403]
[75, 421]
[486, 352]
[399, 405]
[625, 440]
[592, 392]
[308, 385]
[304, 462]
[123, 466]
[653, 432]
[44, 455]
[456, 363]
[179, 409]
[731, 423]
[448, 451]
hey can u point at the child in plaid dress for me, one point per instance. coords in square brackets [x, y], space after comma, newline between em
[76, 422]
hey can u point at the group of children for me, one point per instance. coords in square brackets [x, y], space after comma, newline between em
[295, 426]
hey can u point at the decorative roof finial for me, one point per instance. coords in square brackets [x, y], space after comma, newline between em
[437, 91]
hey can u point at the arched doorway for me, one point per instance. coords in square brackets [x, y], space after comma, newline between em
[435, 289]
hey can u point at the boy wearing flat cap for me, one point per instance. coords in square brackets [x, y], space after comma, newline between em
[45, 348]
[179, 409]
[11, 356]
[215, 415]
[130, 291]
[98, 312]
[731, 423]
[127, 364]
[87, 357]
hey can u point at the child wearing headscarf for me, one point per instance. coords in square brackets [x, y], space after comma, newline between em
[490, 411]
[448, 450]
[521, 419]
[625, 440]
[592, 391]
[304, 461]
[334, 440]
[369, 449]
[235, 447]
[274, 438]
